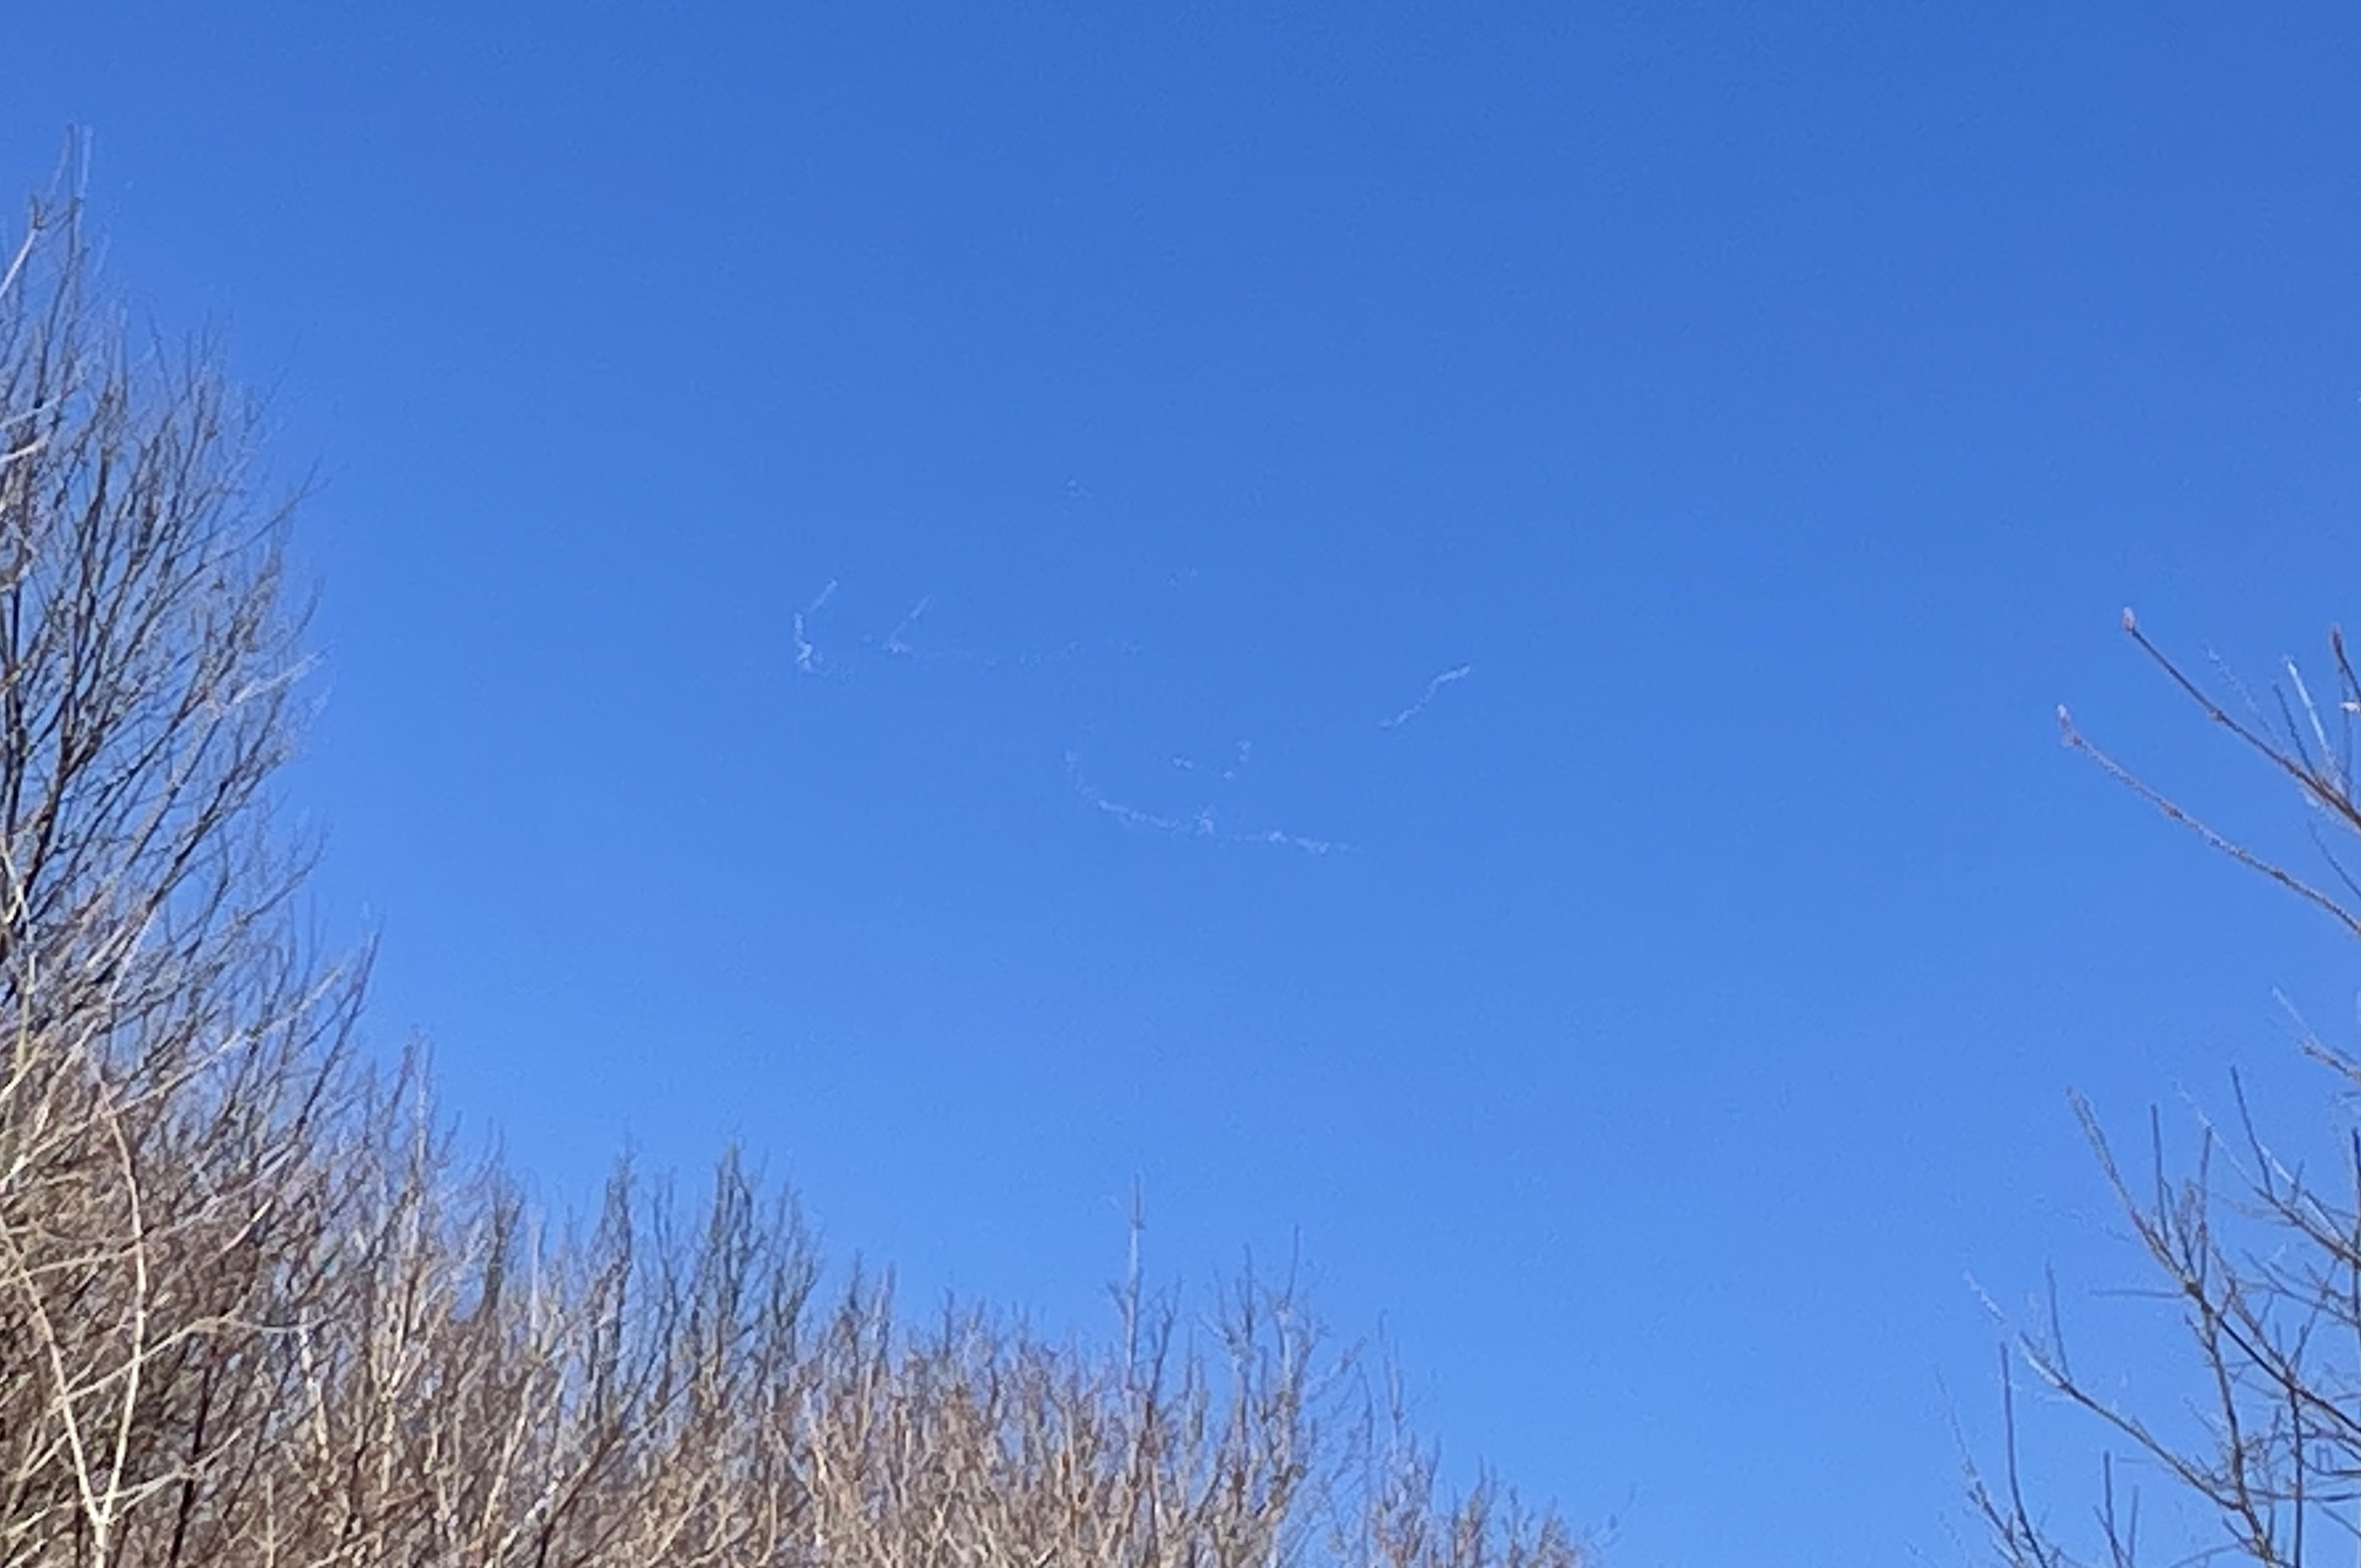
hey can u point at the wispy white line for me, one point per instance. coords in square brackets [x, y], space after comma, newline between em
[1201, 825]
[1132, 816]
[806, 656]
[893, 643]
[1237, 763]
[1035, 661]
[896, 644]
[1297, 841]
[1459, 672]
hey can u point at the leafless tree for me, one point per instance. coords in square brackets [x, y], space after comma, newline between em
[2259, 1258]
[170, 1046]
[256, 1313]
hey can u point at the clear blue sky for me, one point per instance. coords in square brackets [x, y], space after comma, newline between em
[1769, 408]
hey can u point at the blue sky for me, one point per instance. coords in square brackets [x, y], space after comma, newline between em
[1759, 414]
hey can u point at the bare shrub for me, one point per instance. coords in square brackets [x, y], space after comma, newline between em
[255, 1311]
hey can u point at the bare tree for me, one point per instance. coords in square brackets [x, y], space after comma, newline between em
[2260, 1259]
[169, 1044]
[254, 1311]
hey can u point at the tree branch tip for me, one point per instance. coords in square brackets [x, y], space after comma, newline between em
[2131, 621]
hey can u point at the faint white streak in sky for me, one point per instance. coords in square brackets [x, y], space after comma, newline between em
[808, 656]
[896, 645]
[1128, 814]
[1138, 818]
[1236, 764]
[1459, 672]
[893, 643]
[1297, 841]
[1035, 660]
[1201, 826]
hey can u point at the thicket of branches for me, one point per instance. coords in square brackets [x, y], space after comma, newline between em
[253, 1309]
[2259, 1256]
